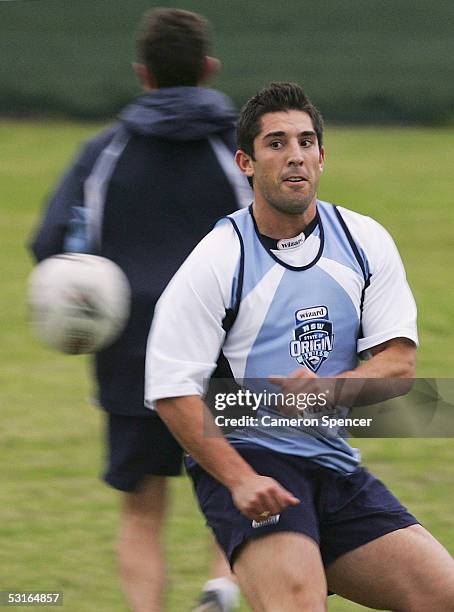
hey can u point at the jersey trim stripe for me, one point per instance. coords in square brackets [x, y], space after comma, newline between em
[360, 260]
[352, 244]
[232, 313]
[95, 187]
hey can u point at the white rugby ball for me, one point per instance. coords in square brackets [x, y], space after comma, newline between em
[79, 303]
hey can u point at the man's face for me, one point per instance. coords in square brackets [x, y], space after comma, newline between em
[288, 162]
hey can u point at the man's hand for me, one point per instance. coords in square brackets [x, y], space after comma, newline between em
[302, 382]
[298, 381]
[259, 497]
[299, 373]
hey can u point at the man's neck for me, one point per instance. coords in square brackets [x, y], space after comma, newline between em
[275, 224]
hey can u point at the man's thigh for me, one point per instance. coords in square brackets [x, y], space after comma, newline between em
[407, 569]
[282, 572]
[138, 447]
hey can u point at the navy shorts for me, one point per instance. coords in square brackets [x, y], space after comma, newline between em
[137, 447]
[340, 512]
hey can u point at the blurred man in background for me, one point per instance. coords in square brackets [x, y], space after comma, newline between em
[143, 193]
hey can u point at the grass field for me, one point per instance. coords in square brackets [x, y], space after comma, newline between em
[57, 522]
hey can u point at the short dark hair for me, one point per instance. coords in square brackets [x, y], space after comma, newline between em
[274, 98]
[172, 44]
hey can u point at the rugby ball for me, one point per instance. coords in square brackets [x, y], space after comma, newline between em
[78, 303]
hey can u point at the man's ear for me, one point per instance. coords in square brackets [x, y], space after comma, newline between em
[211, 66]
[321, 158]
[146, 78]
[244, 163]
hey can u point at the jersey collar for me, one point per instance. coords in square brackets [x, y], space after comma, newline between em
[271, 244]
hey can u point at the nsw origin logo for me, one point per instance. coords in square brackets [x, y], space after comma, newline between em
[313, 337]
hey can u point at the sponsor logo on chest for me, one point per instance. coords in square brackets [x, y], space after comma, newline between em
[313, 338]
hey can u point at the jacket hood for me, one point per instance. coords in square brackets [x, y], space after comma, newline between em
[180, 113]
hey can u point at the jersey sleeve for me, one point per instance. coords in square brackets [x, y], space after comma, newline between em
[389, 309]
[48, 239]
[186, 335]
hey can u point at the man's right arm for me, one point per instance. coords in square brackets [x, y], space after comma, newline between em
[185, 340]
[192, 424]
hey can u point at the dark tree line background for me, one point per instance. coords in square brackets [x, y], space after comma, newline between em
[374, 61]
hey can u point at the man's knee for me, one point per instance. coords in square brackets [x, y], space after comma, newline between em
[305, 597]
[294, 596]
[142, 517]
[141, 526]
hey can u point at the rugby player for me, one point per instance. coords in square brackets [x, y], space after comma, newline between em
[294, 282]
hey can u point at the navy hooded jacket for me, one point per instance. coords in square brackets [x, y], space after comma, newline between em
[155, 183]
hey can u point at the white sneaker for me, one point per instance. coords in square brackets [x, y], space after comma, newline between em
[209, 601]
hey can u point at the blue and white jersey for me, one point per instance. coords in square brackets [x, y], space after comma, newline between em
[317, 300]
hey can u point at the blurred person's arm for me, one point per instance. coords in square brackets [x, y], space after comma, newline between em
[49, 237]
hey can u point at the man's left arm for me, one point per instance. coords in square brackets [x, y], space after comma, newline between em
[388, 321]
[395, 358]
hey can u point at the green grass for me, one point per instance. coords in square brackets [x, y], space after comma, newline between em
[57, 522]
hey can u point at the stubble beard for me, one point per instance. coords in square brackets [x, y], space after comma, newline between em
[289, 205]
